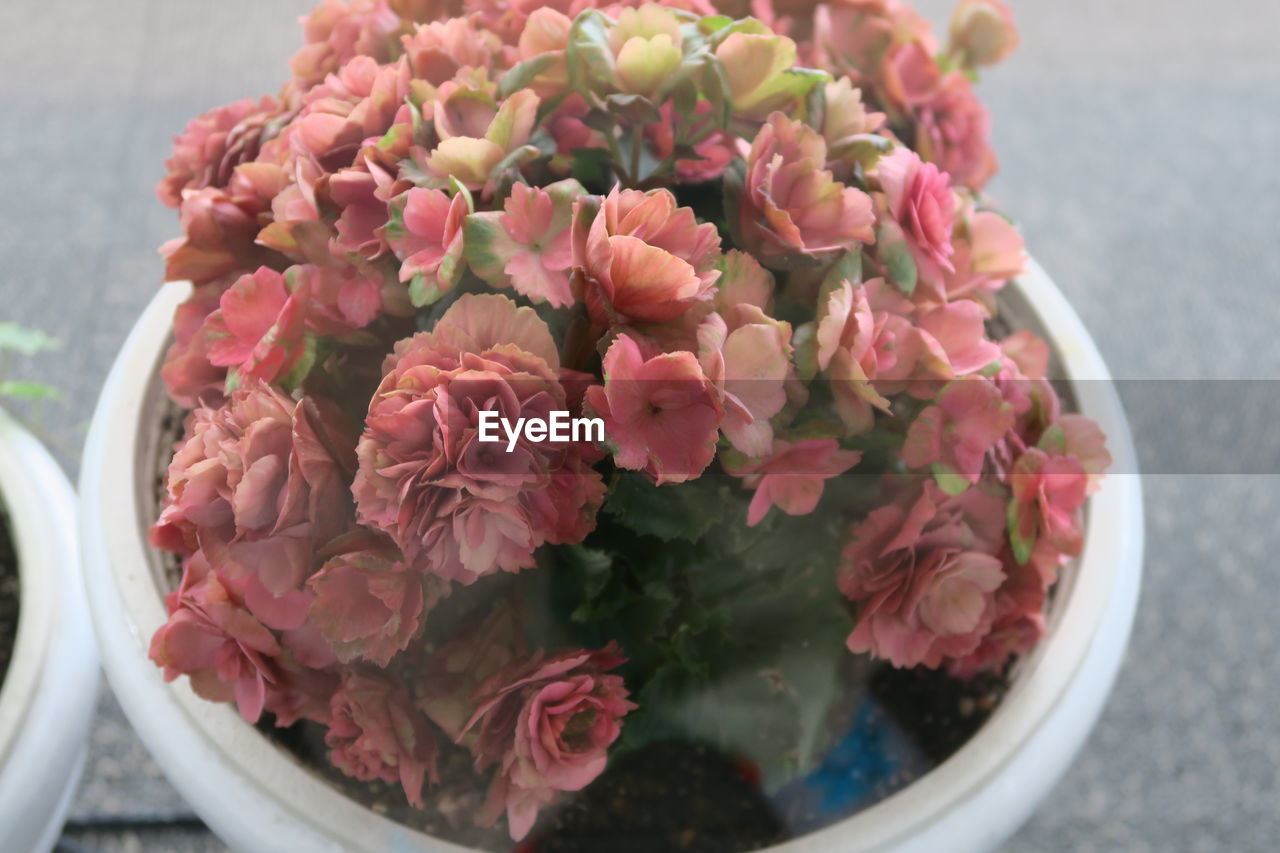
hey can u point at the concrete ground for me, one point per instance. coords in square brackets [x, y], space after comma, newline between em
[1138, 143]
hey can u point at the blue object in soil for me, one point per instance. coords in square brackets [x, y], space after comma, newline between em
[874, 759]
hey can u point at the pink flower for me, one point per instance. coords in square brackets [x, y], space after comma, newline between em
[925, 573]
[990, 253]
[440, 49]
[212, 638]
[791, 477]
[375, 732]
[258, 484]
[661, 414]
[218, 237]
[363, 217]
[547, 724]
[748, 363]
[189, 376]
[259, 329]
[1048, 491]
[369, 604]
[425, 233]
[644, 259]
[855, 346]
[529, 246]
[336, 32]
[921, 204]
[982, 32]
[954, 132]
[211, 146]
[457, 506]
[791, 206]
[715, 152]
[910, 75]
[955, 434]
[344, 298]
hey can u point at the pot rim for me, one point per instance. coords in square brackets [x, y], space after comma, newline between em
[50, 692]
[242, 784]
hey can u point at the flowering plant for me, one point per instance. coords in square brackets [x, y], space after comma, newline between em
[754, 248]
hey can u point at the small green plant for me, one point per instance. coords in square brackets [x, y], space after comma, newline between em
[18, 340]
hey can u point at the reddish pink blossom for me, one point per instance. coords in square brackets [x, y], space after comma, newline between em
[924, 572]
[989, 254]
[955, 434]
[457, 506]
[1048, 492]
[529, 246]
[375, 732]
[425, 233]
[357, 103]
[920, 203]
[259, 329]
[661, 414]
[644, 258]
[748, 363]
[257, 484]
[791, 477]
[344, 297]
[715, 152]
[210, 636]
[189, 376]
[218, 237]
[337, 32]
[909, 75]
[439, 50]
[369, 604]
[211, 146]
[954, 130]
[546, 724]
[791, 206]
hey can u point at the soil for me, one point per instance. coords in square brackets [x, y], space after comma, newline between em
[8, 595]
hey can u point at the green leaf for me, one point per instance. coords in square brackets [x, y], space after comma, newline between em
[520, 75]
[949, 480]
[1053, 440]
[28, 390]
[25, 341]
[1022, 541]
[679, 511]
[591, 167]
[590, 57]
[902, 267]
[302, 369]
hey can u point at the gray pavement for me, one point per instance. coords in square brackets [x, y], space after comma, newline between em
[1138, 143]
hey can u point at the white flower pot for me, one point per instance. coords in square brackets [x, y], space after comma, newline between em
[259, 798]
[51, 689]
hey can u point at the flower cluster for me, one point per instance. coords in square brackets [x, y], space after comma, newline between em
[752, 246]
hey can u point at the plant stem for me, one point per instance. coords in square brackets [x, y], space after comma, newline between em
[637, 141]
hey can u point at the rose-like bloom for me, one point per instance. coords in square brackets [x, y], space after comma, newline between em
[344, 298]
[457, 506]
[989, 253]
[748, 362]
[954, 131]
[375, 732]
[360, 228]
[440, 49]
[856, 347]
[920, 203]
[210, 637]
[425, 232]
[211, 146]
[1019, 621]
[955, 434]
[925, 573]
[547, 725]
[791, 206]
[257, 484]
[218, 237]
[529, 246]
[189, 376]
[982, 32]
[358, 102]
[661, 414]
[369, 604]
[910, 75]
[337, 32]
[644, 258]
[791, 476]
[478, 134]
[259, 329]
[1048, 492]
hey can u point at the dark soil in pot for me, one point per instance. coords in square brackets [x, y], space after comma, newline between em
[686, 797]
[8, 595]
